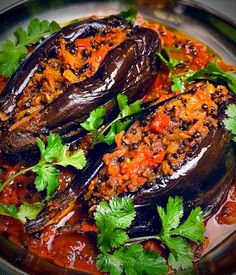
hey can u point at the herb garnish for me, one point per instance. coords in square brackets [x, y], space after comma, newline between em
[12, 52]
[107, 134]
[212, 72]
[230, 121]
[120, 255]
[25, 211]
[55, 153]
[129, 15]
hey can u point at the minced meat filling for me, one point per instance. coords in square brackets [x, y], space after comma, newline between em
[67, 63]
[159, 144]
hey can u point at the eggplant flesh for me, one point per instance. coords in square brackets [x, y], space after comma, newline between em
[202, 178]
[130, 68]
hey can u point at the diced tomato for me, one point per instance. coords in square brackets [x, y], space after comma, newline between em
[159, 123]
[89, 228]
[83, 43]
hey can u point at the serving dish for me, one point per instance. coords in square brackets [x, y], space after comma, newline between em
[214, 31]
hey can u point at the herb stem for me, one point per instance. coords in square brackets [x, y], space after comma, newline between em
[21, 172]
[145, 238]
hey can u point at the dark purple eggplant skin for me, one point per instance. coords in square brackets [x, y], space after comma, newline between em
[130, 67]
[202, 181]
[29, 66]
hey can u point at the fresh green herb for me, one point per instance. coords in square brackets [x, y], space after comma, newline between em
[214, 72]
[12, 52]
[178, 84]
[230, 121]
[120, 255]
[55, 153]
[112, 219]
[170, 62]
[193, 229]
[107, 134]
[129, 15]
[25, 211]
[133, 259]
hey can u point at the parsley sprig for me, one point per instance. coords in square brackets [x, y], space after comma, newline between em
[12, 52]
[52, 155]
[107, 134]
[120, 255]
[25, 211]
[230, 120]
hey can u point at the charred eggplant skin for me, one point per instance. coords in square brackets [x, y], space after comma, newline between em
[207, 175]
[130, 67]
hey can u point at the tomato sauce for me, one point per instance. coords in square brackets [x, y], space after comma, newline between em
[71, 242]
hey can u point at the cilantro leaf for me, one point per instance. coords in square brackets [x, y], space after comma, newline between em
[170, 62]
[174, 212]
[214, 72]
[171, 233]
[76, 159]
[180, 256]
[129, 15]
[12, 52]
[178, 84]
[52, 154]
[193, 228]
[53, 148]
[29, 211]
[94, 120]
[133, 259]
[111, 218]
[8, 210]
[230, 121]
[128, 109]
[109, 263]
[25, 211]
[47, 178]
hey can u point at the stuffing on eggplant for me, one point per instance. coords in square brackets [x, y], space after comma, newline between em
[178, 147]
[80, 67]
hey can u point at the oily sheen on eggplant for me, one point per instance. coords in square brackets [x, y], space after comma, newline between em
[203, 173]
[130, 68]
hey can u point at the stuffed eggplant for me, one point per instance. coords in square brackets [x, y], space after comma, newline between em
[178, 148]
[75, 70]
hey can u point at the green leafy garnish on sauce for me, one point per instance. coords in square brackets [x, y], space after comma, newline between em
[121, 255]
[12, 52]
[22, 213]
[129, 15]
[230, 121]
[107, 134]
[52, 155]
[214, 73]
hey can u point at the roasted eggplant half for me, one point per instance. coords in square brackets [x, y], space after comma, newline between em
[177, 147]
[77, 69]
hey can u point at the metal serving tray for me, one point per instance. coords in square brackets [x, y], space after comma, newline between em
[206, 25]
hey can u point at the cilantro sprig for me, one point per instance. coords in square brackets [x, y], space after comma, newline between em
[121, 255]
[230, 120]
[12, 52]
[52, 155]
[212, 71]
[96, 119]
[25, 211]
